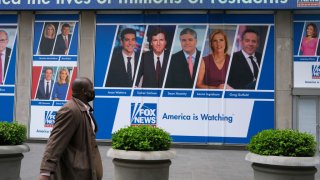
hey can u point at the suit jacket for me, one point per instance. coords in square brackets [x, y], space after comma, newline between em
[148, 70]
[240, 75]
[60, 46]
[6, 63]
[41, 93]
[179, 75]
[117, 74]
[72, 151]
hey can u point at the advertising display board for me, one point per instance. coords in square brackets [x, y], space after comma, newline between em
[156, 4]
[8, 35]
[306, 51]
[55, 55]
[202, 78]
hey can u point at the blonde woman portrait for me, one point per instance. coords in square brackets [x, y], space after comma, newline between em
[61, 86]
[48, 39]
[214, 67]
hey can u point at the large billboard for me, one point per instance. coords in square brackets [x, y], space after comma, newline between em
[202, 78]
[306, 51]
[55, 55]
[8, 37]
[156, 4]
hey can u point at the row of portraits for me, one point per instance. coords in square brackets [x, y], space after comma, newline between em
[187, 56]
[54, 83]
[56, 38]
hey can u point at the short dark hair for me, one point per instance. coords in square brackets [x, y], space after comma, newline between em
[48, 68]
[66, 25]
[249, 31]
[127, 31]
[155, 31]
[189, 31]
[80, 83]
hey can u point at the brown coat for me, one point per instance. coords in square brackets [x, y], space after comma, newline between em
[72, 152]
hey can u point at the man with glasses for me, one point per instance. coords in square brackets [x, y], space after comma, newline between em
[5, 53]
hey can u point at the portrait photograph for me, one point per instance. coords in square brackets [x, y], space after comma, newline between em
[7, 39]
[309, 39]
[48, 37]
[123, 63]
[186, 52]
[154, 59]
[247, 57]
[45, 82]
[64, 38]
[62, 82]
[215, 59]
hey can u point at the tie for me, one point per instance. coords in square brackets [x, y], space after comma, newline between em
[47, 91]
[190, 65]
[66, 42]
[255, 67]
[1, 78]
[129, 70]
[158, 70]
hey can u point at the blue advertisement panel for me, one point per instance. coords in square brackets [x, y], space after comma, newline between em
[202, 78]
[8, 48]
[55, 55]
[156, 4]
[306, 51]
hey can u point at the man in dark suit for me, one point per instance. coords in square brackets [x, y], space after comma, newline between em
[72, 151]
[5, 54]
[153, 63]
[245, 64]
[124, 61]
[63, 41]
[184, 64]
[45, 85]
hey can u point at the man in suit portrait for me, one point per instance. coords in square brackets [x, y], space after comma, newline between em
[63, 40]
[184, 64]
[245, 64]
[5, 53]
[124, 61]
[45, 85]
[154, 62]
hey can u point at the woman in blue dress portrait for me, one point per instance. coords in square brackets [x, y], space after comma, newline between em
[60, 88]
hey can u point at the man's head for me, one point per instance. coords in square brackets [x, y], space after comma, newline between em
[128, 41]
[188, 40]
[3, 40]
[250, 41]
[158, 40]
[48, 74]
[82, 88]
[65, 29]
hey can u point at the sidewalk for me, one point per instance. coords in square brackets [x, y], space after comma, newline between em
[189, 164]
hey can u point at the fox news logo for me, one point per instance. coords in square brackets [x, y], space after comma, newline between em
[315, 71]
[49, 118]
[143, 114]
[308, 3]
